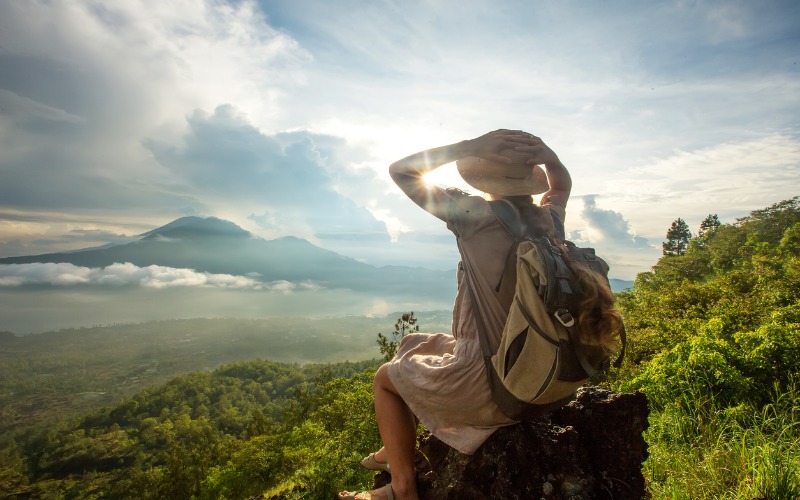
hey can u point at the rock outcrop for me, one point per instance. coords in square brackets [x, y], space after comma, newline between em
[591, 448]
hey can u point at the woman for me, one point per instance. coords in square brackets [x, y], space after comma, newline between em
[441, 379]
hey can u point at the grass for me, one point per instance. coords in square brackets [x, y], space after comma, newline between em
[703, 451]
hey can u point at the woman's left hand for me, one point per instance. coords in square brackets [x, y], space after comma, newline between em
[541, 154]
[489, 146]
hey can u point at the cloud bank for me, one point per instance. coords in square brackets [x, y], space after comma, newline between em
[288, 181]
[609, 226]
[127, 274]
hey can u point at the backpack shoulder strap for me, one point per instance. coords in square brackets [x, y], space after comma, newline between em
[508, 215]
[557, 273]
[558, 225]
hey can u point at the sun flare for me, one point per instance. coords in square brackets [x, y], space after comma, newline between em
[447, 176]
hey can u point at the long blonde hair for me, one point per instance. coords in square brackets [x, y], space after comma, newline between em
[598, 318]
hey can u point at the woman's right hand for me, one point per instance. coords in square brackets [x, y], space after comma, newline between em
[489, 146]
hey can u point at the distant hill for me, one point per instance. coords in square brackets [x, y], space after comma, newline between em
[218, 246]
[620, 285]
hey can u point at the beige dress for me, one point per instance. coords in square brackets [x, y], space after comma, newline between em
[441, 377]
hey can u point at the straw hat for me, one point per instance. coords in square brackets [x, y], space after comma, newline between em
[502, 179]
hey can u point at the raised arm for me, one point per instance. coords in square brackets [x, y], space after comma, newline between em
[557, 174]
[408, 172]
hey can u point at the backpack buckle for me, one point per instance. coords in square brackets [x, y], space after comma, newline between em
[564, 317]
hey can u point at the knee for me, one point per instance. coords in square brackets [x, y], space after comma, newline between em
[382, 380]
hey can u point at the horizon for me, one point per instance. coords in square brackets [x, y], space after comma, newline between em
[282, 117]
[83, 288]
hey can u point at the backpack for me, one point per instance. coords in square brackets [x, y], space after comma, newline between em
[541, 361]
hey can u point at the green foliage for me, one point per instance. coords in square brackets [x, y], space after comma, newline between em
[76, 452]
[701, 450]
[243, 429]
[705, 364]
[406, 323]
[708, 227]
[13, 469]
[714, 336]
[315, 456]
[678, 236]
[733, 277]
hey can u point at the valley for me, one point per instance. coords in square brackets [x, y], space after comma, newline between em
[69, 372]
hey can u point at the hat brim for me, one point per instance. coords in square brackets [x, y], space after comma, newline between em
[500, 179]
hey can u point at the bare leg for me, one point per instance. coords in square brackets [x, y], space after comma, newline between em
[398, 428]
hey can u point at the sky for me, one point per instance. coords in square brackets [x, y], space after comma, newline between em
[282, 116]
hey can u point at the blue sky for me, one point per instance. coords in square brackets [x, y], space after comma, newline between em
[282, 116]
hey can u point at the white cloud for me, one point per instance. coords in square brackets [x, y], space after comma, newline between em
[164, 56]
[753, 164]
[609, 226]
[730, 179]
[127, 274]
[110, 75]
[286, 182]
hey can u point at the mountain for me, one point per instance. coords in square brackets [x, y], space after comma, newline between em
[218, 246]
[620, 285]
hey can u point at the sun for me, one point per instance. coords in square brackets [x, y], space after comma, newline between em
[447, 176]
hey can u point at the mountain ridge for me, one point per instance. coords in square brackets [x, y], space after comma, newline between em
[213, 245]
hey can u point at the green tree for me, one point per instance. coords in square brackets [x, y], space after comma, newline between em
[405, 324]
[708, 226]
[678, 237]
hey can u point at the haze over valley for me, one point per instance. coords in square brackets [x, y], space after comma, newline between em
[205, 267]
[199, 267]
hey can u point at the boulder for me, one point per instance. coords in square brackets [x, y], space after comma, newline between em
[592, 448]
